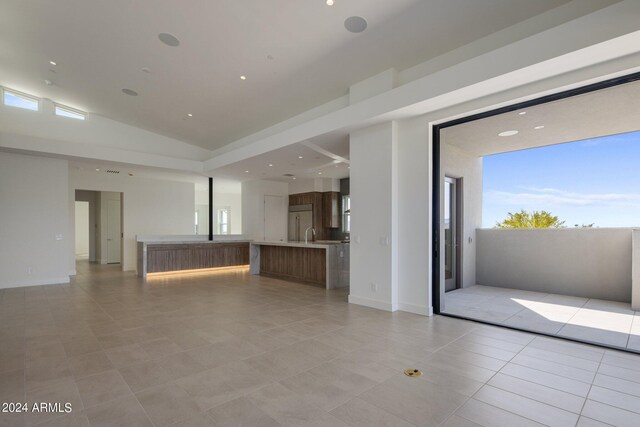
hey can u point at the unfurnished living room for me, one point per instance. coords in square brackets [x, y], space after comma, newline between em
[320, 213]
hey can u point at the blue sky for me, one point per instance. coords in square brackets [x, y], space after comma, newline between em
[590, 181]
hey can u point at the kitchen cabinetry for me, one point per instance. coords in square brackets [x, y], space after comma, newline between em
[312, 198]
[331, 209]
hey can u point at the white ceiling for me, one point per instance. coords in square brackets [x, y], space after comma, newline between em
[610, 111]
[326, 156]
[101, 47]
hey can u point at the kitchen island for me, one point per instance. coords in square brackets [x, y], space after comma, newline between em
[175, 254]
[324, 264]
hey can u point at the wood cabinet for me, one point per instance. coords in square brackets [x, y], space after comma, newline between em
[331, 209]
[294, 263]
[191, 256]
[312, 198]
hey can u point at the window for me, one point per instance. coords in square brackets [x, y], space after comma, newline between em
[69, 112]
[346, 214]
[20, 100]
[223, 220]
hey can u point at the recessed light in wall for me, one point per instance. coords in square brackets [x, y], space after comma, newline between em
[169, 39]
[243, 77]
[53, 63]
[329, 2]
[508, 133]
[130, 92]
[522, 113]
[539, 127]
[355, 24]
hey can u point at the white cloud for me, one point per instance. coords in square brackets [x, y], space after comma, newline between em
[554, 196]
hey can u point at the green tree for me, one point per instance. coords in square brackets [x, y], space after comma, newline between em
[535, 219]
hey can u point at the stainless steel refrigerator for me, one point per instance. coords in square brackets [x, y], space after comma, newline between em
[300, 218]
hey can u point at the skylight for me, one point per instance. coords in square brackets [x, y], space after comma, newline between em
[69, 112]
[18, 100]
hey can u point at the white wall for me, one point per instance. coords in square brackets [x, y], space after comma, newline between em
[253, 193]
[456, 163]
[33, 211]
[306, 185]
[584, 262]
[374, 217]
[82, 230]
[149, 206]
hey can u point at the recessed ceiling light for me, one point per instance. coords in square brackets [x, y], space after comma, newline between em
[48, 82]
[270, 165]
[508, 133]
[299, 157]
[130, 92]
[52, 63]
[190, 115]
[539, 127]
[97, 169]
[293, 177]
[243, 77]
[246, 171]
[522, 113]
[319, 173]
[329, 2]
[169, 39]
[355, 24]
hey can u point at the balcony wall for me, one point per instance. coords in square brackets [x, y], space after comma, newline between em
[584, 262]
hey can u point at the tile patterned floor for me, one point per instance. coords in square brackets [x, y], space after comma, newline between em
[608, 323]
[230, 349]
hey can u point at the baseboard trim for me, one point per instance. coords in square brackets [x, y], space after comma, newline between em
[416, 309]
[72, 272]
[38, 282]
[368, 302]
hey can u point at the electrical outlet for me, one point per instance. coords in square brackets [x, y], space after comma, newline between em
[374, 287]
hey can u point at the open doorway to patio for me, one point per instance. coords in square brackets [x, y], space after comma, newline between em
[546, 236]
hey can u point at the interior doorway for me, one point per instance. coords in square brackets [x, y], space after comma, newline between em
[82, 230]
[99, 226]
[114, 229]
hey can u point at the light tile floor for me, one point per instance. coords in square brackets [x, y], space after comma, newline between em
[234, 349]
[601, 322]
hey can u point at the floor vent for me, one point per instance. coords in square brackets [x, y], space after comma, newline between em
[112, 171]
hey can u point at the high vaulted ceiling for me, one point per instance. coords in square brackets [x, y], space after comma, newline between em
[296, 54]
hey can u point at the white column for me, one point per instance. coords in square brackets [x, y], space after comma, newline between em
[374, 192]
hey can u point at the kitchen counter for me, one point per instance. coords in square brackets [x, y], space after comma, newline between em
[173, 254]
[323, 264]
